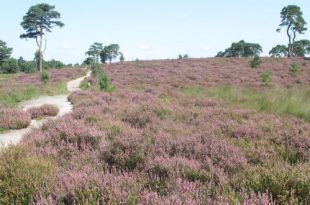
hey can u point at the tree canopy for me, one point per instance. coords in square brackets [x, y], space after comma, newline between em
[241, 49]
[39, 19]
[5, 52]
[110, 52]
[94, 51]
[293, 22]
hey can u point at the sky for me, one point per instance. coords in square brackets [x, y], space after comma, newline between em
[150, 29]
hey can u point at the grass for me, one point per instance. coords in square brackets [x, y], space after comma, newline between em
[291, 101]
[11, 97]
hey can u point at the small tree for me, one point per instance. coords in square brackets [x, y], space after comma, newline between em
[241, 49]
[279, 51]
[40, 19]
[121, 58]
[9, 66]
[292, 20]
[301, 48]
[5, 52]
[110, 52]
[94, 51]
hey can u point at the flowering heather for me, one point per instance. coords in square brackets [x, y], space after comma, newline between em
[42, 111]
[160, 139]
[56, 75]
[13, 118]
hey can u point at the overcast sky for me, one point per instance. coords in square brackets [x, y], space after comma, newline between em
[150, 29]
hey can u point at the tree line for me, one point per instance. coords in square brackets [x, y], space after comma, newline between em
[293, 23]
[9, 64]
[97, 52]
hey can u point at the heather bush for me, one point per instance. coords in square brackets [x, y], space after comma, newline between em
[139, 118]
[125, 153]
[256, 61]
[43, 111]
[22, 175]
[13, 118]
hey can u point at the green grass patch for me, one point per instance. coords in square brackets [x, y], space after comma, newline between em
[11, 97]
[194, 91]
[292, 101]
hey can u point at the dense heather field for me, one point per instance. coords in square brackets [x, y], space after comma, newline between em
[158, 139]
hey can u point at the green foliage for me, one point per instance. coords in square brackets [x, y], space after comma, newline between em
[241, 49]
[96, 69]
[88, 61]
[39, 20]
[94, 52]
[195, 175]
[279, 51]
[301, 48]
[293, 22]
[9, 66]
[26, 66]
[44, 76]
[121, 58]
[266, 77]
[109, 53]
[105, 83]
[21, 175]
[5, 52]
[284, 182]
[185, 56]
[256, 61]
[295, 69]
[53, 64]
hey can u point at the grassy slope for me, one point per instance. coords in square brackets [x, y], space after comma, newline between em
[13, 93]
[278, 100]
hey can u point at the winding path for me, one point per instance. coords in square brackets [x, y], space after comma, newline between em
[61, 101]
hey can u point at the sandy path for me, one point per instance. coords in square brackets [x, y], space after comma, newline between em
[61, 101]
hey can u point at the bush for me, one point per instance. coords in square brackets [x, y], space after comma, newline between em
[105, 83]
[44, 76]
[295, 69]
[96, 70]
[283, 182]
[44, 110]
[267, 77]
[21, 175]
[9, 66]
[256, 61]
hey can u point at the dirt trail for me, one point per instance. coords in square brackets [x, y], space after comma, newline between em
[61, 101]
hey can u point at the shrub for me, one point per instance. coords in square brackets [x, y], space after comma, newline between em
[283, 182]
[256, 61]
[13, 118]
[21, 175]
[44, 110]
[125, 153]
[267, 77]
[44, 76]
[96, 69]
[295, 69]
[105, 83]
[9, 66]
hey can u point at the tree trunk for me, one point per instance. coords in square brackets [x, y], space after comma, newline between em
[289, 41]
[40, 51]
